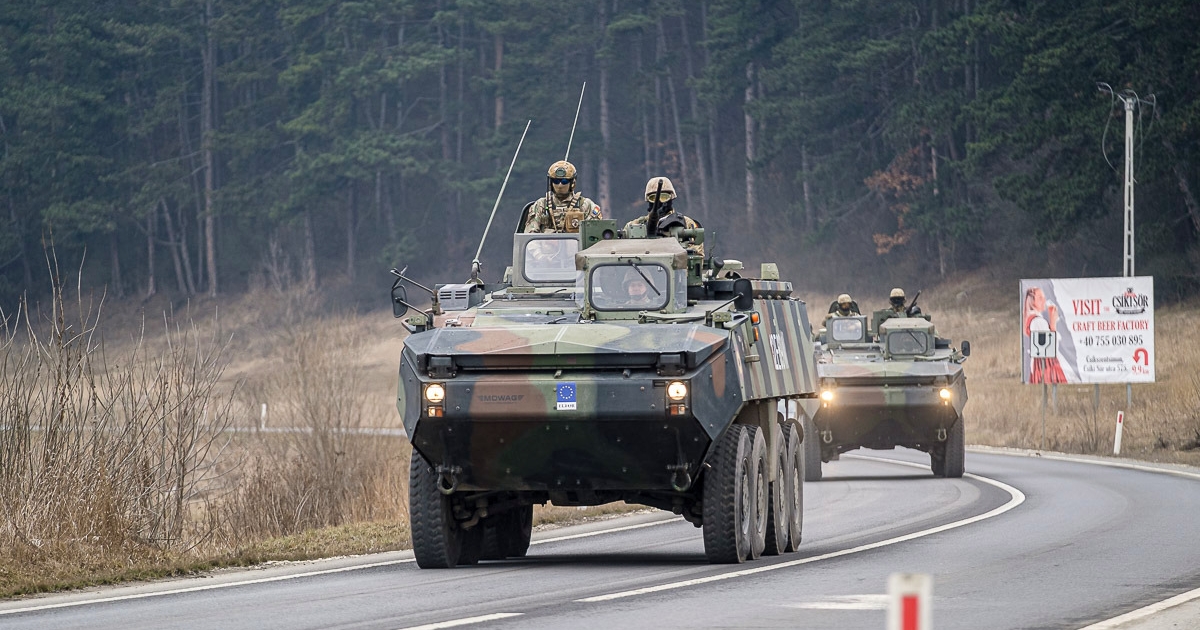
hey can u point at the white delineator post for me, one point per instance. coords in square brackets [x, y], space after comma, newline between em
[262, 421]
[1120, 427]
[910, 598]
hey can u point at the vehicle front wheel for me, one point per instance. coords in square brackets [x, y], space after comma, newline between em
[437, 540]
[726, 508]
[760, 487]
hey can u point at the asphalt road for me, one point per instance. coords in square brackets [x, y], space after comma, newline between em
[1021, 542]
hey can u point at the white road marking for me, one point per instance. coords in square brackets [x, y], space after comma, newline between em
[846, 602]
[197, 589]
[1142, 613]
[1017, 498]
[464, 622]
[281, 578]
[606, 531]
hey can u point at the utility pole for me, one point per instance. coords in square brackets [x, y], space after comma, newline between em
[1129, 99]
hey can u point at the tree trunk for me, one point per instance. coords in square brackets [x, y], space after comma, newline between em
[701, 169]
[351, 230]
[207, 127]
[310, 254]
[604, 176]
[458, 128]
[712, 110]
[499, 43]
[114, 248]
[657, 144]
[178, 253]
[684, 171]
[151, 234]
[751, 145]
[810, 218]
[646, 152]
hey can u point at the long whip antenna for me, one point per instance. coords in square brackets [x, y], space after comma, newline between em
[572, 138]
[475, 262]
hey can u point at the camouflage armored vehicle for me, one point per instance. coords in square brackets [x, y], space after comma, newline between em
[899, 385]
[606, 367]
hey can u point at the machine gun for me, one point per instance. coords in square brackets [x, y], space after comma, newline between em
[912, 310]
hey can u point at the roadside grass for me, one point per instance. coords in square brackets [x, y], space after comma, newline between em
[150, 456]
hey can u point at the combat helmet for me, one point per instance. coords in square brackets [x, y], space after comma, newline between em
[667, 188]
[561, 169]
[844, 300]
[897, 293]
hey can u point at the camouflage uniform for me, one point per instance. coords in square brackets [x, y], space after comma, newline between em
[555, 219]
[693, 248]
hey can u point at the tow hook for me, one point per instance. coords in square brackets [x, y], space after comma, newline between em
[827, 437]
[681, 479]
[447, 481]
[941, 435]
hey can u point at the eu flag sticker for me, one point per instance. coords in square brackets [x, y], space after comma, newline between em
[566, 396]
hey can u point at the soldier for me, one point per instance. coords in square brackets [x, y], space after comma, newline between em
[844, 306]
[896, 307]
[562, 209]
[666, 207]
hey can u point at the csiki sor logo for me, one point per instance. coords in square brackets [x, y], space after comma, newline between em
[1130, 303]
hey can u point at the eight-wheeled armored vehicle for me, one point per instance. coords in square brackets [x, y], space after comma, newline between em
[606, 366]
[895, 383]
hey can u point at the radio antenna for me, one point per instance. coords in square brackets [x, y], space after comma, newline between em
[572, 138]
[475, 263]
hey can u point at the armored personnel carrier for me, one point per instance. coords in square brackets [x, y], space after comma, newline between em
[606, 366]
[892, 384]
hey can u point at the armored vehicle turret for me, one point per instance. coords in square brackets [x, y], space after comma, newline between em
[899, 385]
[606, 366]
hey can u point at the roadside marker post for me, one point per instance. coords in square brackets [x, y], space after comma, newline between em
[910, 598]
[1120, 428]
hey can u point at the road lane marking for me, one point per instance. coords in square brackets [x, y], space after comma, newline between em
[296, 576]
[606, 531]
[846, 602]
[464, 622]
[1144, 612]
[1016, 498]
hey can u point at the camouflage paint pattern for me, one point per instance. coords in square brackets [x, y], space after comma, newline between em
[881, 401]
[501, 425]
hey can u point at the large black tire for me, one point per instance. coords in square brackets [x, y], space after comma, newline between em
[726, 510]
[793, 475]
[760, 490]
[437, 540]
[778, 516]
[948, 459]
[517, 531]
[812, 451]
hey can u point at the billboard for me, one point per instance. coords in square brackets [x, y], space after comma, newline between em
[1087, 330]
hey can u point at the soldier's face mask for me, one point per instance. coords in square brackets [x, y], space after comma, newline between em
[897, 301]
[561, 181]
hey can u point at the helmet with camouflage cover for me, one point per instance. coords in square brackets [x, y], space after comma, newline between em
[844, 300]
[897, 293]
[668, 188]
[561, 169]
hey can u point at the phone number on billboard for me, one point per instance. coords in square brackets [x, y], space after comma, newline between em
[1112, 340]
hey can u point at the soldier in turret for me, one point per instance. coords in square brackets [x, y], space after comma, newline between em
[844, 306]
[562, 209]
[661, 193]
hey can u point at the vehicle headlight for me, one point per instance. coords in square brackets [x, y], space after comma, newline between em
[435, 393]
[827, 395]
[944, 393]
[677, 390]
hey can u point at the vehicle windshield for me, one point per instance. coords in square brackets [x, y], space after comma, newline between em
[907, 342]
[846, 330]
[629, 287]
[551, 259]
